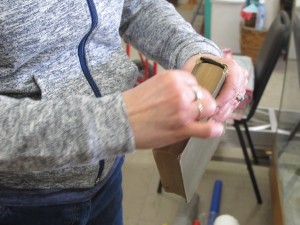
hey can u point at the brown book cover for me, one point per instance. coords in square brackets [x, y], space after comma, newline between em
[181, 165]
[210, 74]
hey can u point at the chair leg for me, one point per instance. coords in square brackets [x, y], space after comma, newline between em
[248, 162]
[250, 142]
[197, 12]
[159, 187]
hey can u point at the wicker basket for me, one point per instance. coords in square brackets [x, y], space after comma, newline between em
[251, 41]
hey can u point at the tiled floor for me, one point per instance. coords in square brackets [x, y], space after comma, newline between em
[144, 206]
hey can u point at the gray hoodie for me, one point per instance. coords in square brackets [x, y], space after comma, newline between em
[53, 129]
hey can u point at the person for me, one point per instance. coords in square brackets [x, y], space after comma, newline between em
[70, 109]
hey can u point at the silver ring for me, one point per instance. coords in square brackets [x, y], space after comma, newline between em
[198, 93]
[200, 107]
[240, 97]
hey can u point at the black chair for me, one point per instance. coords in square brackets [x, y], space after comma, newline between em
[275, 42]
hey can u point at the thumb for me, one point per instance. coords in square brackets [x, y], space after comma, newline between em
[207, 129]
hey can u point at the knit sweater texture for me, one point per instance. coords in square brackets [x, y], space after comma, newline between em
[53, 129]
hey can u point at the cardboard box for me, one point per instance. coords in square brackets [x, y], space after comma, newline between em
[181, 165]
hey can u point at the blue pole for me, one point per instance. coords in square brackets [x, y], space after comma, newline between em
[215, 202]
[207, 16]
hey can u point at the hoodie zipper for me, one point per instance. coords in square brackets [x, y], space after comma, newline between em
[85, 69]
[81, 49]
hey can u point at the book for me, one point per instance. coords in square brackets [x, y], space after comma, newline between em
[182, 164]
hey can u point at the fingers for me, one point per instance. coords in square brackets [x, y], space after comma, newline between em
[232, 91]
[235, 85]
[167, 108]
[204, 108]
[207, 129]
[190, 101]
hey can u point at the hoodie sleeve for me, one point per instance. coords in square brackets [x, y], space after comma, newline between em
[156, 29]
[49, 134]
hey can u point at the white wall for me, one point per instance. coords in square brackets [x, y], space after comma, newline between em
[225, 23]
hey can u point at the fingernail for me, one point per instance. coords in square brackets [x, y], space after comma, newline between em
[210, 109]
[218, 130]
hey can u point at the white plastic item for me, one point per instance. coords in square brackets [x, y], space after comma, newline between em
[226, 220]
[261, 14]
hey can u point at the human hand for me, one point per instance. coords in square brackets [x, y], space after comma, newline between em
[234, 86]
[163, 110]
